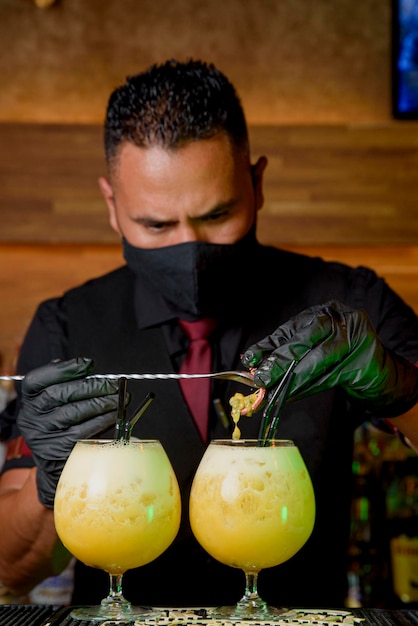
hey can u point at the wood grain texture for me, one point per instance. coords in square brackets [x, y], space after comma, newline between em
[31, 273]
[343, 192]
[328, 185]
[299, 61]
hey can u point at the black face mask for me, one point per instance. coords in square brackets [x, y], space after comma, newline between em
[197, 279]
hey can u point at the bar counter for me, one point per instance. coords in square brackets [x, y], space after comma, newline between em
[40, 615]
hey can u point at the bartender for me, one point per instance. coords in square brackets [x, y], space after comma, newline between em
[183, 194]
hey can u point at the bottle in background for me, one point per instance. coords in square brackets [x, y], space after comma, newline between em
[402, 529]
[365, 565]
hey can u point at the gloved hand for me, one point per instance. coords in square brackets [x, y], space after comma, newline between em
[59, 406]
[335, 345]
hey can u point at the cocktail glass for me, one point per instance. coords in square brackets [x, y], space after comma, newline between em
[117, 506]
[252, 506]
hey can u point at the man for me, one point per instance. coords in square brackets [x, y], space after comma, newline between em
[183, 195]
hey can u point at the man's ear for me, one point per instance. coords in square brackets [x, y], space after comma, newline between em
[109, 198]
[257, 173]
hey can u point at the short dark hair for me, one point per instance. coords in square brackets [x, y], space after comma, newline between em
[171, 104]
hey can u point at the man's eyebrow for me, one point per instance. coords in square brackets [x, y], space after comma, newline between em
[150, 222]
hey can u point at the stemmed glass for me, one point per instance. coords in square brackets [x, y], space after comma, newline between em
[252, 506]
[117, 506]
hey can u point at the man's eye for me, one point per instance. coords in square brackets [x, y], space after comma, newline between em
[157, 227]
[212, 217]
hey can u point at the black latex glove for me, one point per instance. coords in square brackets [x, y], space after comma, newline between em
[335, 345]
[60, 406]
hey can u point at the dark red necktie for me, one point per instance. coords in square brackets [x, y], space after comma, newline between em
[198, 360]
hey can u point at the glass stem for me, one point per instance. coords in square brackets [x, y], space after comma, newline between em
[251, 597]
[251, 606]
[115, 596]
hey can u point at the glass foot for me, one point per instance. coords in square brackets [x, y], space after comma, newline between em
[258, 611]
[123, 614]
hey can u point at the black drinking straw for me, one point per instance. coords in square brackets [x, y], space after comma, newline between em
[130, 423]
[278, 409]
[120, 421]
[275, 406]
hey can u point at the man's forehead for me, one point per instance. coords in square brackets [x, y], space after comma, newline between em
[218, 146]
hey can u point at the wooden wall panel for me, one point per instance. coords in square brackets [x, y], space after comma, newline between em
[344, 192]
[345, 185]
[31, 273]
[298, 61]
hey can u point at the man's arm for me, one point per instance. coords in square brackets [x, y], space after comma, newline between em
[336, 346]
[59, 405]
[29, 548]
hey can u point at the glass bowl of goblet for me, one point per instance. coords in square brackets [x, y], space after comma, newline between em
[252, 506]
[117, 507]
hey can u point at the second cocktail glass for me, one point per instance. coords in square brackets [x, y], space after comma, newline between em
[117, 507]
[252, 506]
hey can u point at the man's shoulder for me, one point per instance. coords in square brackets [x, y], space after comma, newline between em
[116, 281]
[304, 264]
[96, 294]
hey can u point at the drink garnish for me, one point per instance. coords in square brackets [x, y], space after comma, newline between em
[244, 405]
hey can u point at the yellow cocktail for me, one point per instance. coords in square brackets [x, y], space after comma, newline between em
[117, 505]
[252, 507]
